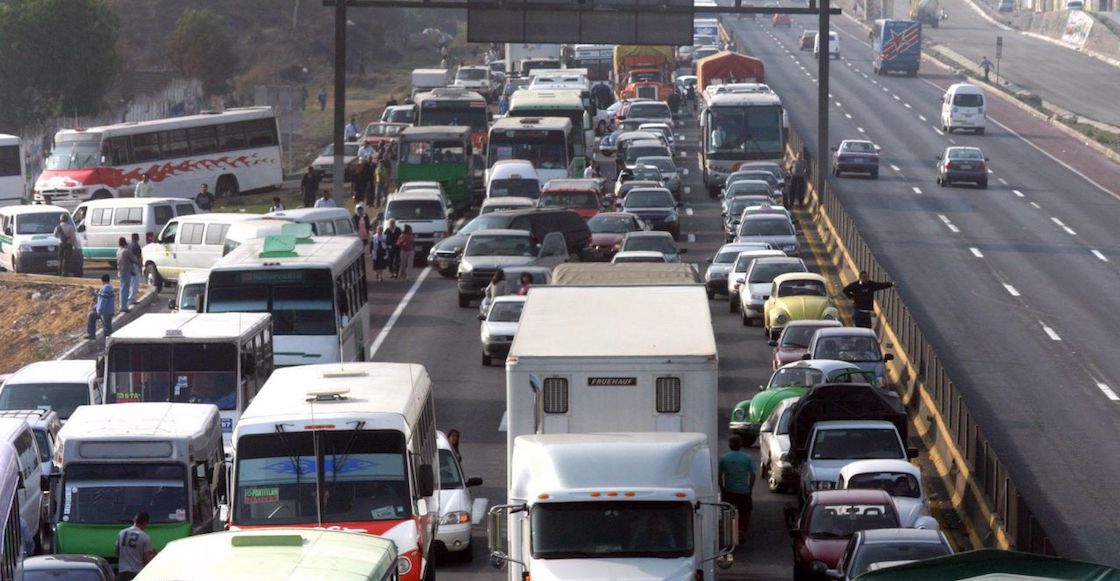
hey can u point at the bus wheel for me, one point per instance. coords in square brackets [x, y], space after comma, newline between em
[152, 277]
[227, 187]
[101, 195]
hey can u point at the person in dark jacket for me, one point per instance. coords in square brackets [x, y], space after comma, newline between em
[862, 293]
[309, 186]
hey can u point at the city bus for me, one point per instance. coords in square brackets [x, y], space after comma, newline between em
[456, 107]
[596, 59]
[549, 143]
[13, 171]
[231, 151]
[11, 533]
[314, 287]
[739, 127]
[219, 358]
[280, 554]
[348, 447]
[570, 104]
[439, 153]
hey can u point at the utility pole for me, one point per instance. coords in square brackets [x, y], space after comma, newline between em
[823, 58]
[339, 99]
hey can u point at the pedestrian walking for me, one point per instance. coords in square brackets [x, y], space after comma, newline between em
[137, 267]
[277, 205]
[407, 245]
[381, 180]
[350, 132]
[690, 95]
[392, 102]
[392, 234]
[862, 293]
[323, 99]
[736, 480]
[366, 151]
[503, 104]
[380, 251]
[987, 66]
[498, 286]
[144, 187]
[134, 548]
[104, 308]
[674, 102]
[309, 186]
[359, 184]
[589, 171]
[361, 224]
[125, 264]
[67, 237]
[795, 190]
[204, 198]
[326, 201]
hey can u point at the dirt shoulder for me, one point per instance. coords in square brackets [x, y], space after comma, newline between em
[43, 316]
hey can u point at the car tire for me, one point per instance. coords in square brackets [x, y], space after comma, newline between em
[875, 174]
[711, 294]
[745, 319]
[772, 482]
[485, 359]
[946, 129]
[733, 303]
[980, 131]
[464, 301]
[152, 277]
[983, 184]
[227, 187]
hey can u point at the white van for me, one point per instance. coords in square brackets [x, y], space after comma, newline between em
[833, 45]
[32, 509]
[425, 211]
[324, 221]
[102, 222]
[27, 242]
[60, 385]
[513, 178]
[187, 243]
[191, 285]
[963, 107]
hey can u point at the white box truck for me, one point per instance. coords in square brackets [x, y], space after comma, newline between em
[424, 80]
[612, 506]
[541, 56]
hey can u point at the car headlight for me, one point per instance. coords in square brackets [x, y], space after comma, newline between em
[465, 268]
[781, 319]
[738, 414]
[822, 485]
[456, 517]
[25, 248]
[829, 317]
[403, 565]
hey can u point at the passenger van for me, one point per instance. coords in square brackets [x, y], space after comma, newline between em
[45, 425]
[425, 211]
[27, 242]
[324, 221]
[187, 243]
[513, 178]
[102, 222]
[115, 460]
[191, 286]
[963, 107]
[60, 385]
[833, 45]
[32, 509]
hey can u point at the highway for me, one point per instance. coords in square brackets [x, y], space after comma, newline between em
[1014, 285]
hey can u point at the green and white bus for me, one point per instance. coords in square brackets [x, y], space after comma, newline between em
[567, 103]
[549, 143]
[439, 153]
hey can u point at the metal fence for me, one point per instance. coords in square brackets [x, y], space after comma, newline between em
[987, 471]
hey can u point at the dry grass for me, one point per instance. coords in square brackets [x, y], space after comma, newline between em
[43, 317]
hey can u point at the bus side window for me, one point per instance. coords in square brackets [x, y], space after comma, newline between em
[202, 511]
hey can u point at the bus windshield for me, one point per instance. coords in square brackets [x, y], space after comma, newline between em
[543, 149]
[359, 475]
[433, 152]
[589, 530]
[173, 372]
[306, 308]
[75, 155]
[106, 493]
[752, 132]
[455, 114]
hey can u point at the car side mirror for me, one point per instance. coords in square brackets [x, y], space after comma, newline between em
[481, 317]
[939, 156]
[834, 148]
[772, 342]
[171, 304]
[986, 159]
[81, 227]
[708, 260]
[807, 356]
[682, 251]
[911, 452]
[888, 357]
[761, 388]
[474, 481]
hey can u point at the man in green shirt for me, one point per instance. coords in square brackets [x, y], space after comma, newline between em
[736, 479]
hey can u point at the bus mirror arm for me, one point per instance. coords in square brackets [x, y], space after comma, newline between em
[426, 480]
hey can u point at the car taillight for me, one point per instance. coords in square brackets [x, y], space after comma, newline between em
[948, 165]
[150, 236]
[983, 166]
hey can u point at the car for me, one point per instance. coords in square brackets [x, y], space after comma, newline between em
[45, 425]
[578, 195]
[653, 241]
[488, 250]
[78, 567]
[191, 285]
[758, 281]
[962, 164]
[628, 256]
[379, 132]
[623, 141]
[748, 188]
[775, 229]
[773, 448]
[703, 52]
[670, 176]
[743, 206]
[856, 156]
[656, 207]
[684, 55]
[324, 164]
[881, 548]
[758, 174]
[512, 177]
[797, 296]
[504, 204]
[855, 345]
[426, 212]
[807, 39]
[661, 127]
[457, 506]
[774, 167]
[446, 253]
[405, 114]
[651, 110]
[899, 478]
[607, 231]
[829, 519]
[645, 148]
[499, 326]
[623, 187]
[792, 380]
[719, 266]
[794, 340]
[736, 277]
[782, 20]
[833, 45]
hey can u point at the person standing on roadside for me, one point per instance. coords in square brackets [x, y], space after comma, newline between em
[361, 224]
[381, 179]
[144, 187]
[309, 186]
[736, 480]
[350, 132]
[392, 102]
[103, 309]
[204, 199]
[406, 243]
[987, 66]
[392, 234]
[134, 548]
[277, 205]
[137, 269]
[380, 251]
[326, 201]
[359, 183]
[125, 264]
[67, 241]
[862, 293]
[323, 99]
[795, 190]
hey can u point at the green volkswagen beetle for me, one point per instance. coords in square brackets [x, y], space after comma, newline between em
[791, 380]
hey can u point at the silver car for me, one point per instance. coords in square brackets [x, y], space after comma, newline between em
[737, 276]
[458, 509]
[670, 176]
[499, 326]
[715, 277]
[773, 448]
[775, 229]
[760, 277]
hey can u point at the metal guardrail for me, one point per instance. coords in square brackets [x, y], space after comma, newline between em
[984, 466]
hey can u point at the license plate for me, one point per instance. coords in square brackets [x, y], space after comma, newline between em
[442, 265]
[52, 263]
[966, 166]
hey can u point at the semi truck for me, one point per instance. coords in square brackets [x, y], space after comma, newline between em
[728, 67]
[926, 11]
[896, 46]
[644, 71]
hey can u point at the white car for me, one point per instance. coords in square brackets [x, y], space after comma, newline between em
[499, 326]
[759, 278]
[458, 510]
[773, 448]
[738, 273]
[628, 256]
[503, 204]
[899, 478]
[833, 45]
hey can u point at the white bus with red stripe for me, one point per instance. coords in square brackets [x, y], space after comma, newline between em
[230, 151]
[346, 447]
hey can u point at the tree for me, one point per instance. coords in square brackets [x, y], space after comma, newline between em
[200, 48]
[59, 58]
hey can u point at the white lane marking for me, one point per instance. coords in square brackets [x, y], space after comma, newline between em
[991, 172]
[687, 190]
[1036, 205]
[907, 105]
[688, 211]
[976, 252]
[895, 97]
[895, 167]
[860, 129]
[691, 237]
[886, 90]
[830, 95]
[839, 105]
[873, 81]
[684, 170]
[398, 312]
[1017, 193]
[1050, 332]
[916, 189]
[948, 223]
[939, 132]
[951, 140]
[1002, 181]
[848, 115]
[1099, 255]
[1011, 290]
[1063, 226]
[1108, 391]
[921, 117]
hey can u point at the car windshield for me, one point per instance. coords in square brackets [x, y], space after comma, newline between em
[840, 521]
[60, 397]
[760, 176]
[796, 377]
[766, 272]
[904, 551]
[664, 164]
[746, 187]
[857, 444]
[188, 298]
[506, 311]
[604, 529]
[851, 349]
[893, 483]
[568, 200]
[802, 288]
[38, 222]
[729, 256]
[74, 155]
[606, 224]
[499, 245]
[484, 223]
[737, 131]
[649, 110]
[649, 199]
[797, 336]
[662, 244]
[432, 152]
[637, 258]
[636, 151]
[191, 372]
[857, 147]
[742, 203]
[450, 476]
[647, 172]
[766, 228]
[411, 210]
[965, 153]
[515, 187]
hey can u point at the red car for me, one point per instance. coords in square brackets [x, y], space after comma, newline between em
[578, 195]
[783, 20]
[607, 231]
[808, 37]
[828, 521]
[794, 341]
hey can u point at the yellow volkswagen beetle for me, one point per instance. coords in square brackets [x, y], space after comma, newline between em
[796, 296]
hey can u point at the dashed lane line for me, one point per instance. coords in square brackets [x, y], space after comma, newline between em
[949, 224]
[922, 118]
[939, 132]
[1108, 391]
[1011, 290]
[1036, 205]
[1002, 181]
[976, 252]
[688, 211]
[916, 189]
[1099, 255]
[895, 167]
[1050, 332]
[1063, 226]
[1017, 193]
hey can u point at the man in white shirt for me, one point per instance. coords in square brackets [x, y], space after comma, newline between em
[143, 188]
[326, 201]
[366, 151]
[351, 130]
